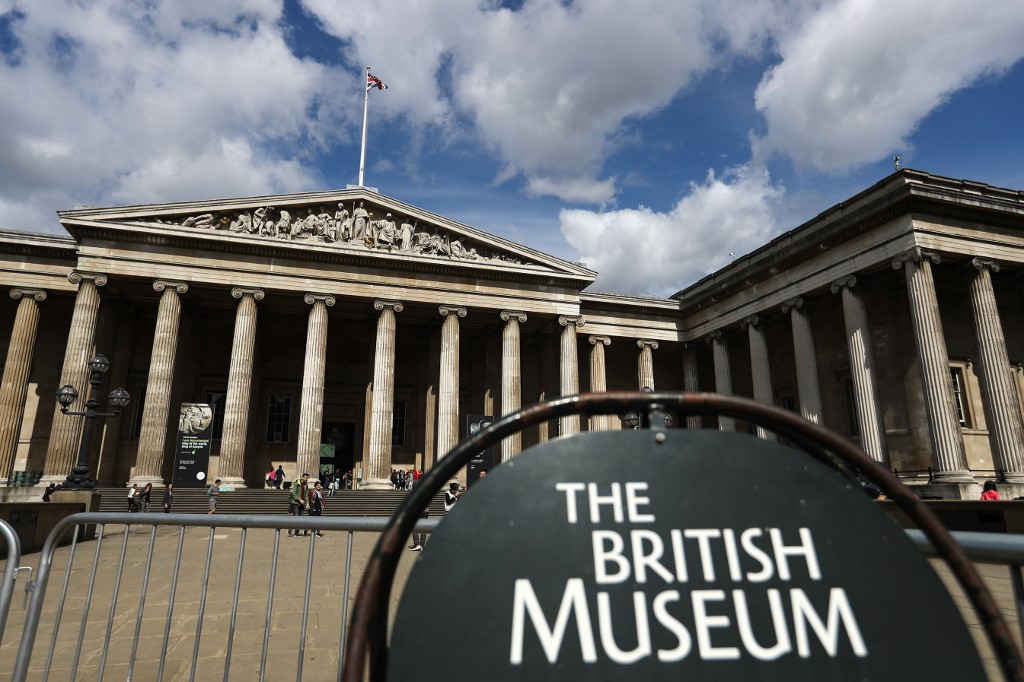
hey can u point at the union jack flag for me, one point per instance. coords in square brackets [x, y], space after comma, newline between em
[374, 82]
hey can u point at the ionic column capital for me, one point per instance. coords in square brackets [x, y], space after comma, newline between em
[381, 304]
[21, 292]
[446, 310]
[750, 321]
[162, 284]
[575, 320]
[507, 315]
[848, 282]
[602, 340]
[916, 255]
[794, 303]
[79, 276]
[983, 263]
[326, 299]
[239, 292]
[646, 343]
[716, 335]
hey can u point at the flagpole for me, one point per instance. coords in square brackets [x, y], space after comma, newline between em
[366, 111]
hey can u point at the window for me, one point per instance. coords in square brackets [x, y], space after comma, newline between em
[960, 402]
[279, 418]
[398, 425]
[139, 398]
[216, 400]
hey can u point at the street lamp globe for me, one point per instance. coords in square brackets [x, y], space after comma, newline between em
[119, 398]
[67, 395]
[99, 364]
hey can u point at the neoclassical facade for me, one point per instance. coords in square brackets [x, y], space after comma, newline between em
[352, 319]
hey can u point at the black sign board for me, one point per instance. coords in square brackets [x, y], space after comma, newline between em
[192, 454]
[708, 556]
[484, 460]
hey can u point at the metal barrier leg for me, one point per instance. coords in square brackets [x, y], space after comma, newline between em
[202, 607]
[10, 573]
[344, 602]
[270, 606]
[113, 603]
[63, 596]
[305, 605]
[234, 606]
[1018, 595]
[88, 603]
[170, 604]
[142, 602]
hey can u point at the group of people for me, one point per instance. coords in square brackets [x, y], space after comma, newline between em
[404, 480]
[330, 481]
[303, 498]
[140, 500]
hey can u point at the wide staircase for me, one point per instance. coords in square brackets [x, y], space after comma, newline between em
[267, 501]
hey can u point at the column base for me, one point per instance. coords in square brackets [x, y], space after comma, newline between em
[1011, 477]
[235, 483]
[377, 484]
[948, 491]
[157, 481]
[53, 478]
[964, 477]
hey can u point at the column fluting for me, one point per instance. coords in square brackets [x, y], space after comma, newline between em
[378, 460]
[511, 377]
[723, 374]
[760, 369]
[645, 363]
[237, 401]
[598, 377]
[66, 431]
[159, 383]
[947, 440]
[807, 384]
[311, 410]
[14, 385]
[569, 374]
[691, 380]
[1004, 419]
[448, 380]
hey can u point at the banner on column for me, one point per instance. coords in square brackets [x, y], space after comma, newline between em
[192, 454]
[484, 460]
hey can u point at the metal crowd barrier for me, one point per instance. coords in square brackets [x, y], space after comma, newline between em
[149, 524]
[10, 572]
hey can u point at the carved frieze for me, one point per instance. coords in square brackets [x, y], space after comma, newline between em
[353, 226]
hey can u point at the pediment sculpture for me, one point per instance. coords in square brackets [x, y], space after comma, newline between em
[351, 225]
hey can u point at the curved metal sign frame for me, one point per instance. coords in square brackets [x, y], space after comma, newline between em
[369, 623]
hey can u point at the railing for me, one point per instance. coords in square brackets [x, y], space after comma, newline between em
[10, 572]
[129, 525]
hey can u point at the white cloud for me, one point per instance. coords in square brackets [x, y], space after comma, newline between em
[857, 78]
[115, 101]
[643, 252]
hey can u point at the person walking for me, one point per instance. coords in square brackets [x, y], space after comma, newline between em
[298, 500]
[168, 498]
[146, 496]
[316, 503]
[990, 492]
[451, 497]
[133, 494]
[279, 477]
[213, 492]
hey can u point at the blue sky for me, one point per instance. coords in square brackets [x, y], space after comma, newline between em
[649, 140]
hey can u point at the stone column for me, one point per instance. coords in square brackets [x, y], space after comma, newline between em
[1004, 420]
[159, 381]
[66, 431]
[760, 369]
[947, 440]
[723, 374]
[645, 363]
[598, 377]
[691, 380]
[569, 375]
[806, 361]
[311, 411]
[511, 377]
[236, 403]
[862, 370]
[448, 380]
[14, 385]
[377, 468]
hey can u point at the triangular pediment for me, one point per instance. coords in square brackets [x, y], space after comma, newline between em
[354, 222]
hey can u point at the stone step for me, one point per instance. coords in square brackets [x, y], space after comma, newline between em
[343, 503]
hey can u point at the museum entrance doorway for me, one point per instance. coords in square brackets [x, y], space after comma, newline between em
[337, 446]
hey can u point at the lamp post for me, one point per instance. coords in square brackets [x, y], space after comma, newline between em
[79, 478]
[633, 421]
